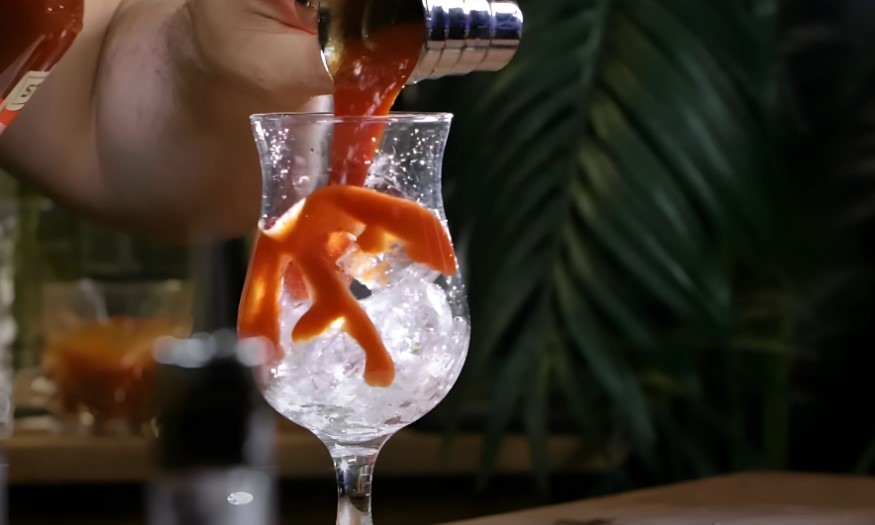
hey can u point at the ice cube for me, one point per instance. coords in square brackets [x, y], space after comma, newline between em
[384, 270]
[320, 384]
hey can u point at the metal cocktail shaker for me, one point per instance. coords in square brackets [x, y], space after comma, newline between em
[461, 36]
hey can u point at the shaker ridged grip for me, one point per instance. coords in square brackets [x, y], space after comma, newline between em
[464, 36]
[461, 36]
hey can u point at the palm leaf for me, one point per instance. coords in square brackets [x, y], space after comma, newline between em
[598, 184]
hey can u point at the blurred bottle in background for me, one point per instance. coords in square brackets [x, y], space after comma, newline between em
[215, 444]
[8, 326]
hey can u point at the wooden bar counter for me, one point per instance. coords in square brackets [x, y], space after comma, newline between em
[743, 499]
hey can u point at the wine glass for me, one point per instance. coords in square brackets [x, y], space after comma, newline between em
[379, 242]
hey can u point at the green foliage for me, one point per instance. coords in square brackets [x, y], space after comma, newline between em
[629, 198]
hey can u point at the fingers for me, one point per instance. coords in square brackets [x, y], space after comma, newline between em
[290, 13]
[263, 47]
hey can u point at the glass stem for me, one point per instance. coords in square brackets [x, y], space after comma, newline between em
[354, 466]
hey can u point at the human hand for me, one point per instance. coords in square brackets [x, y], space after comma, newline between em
[268, 48]
[147, 116]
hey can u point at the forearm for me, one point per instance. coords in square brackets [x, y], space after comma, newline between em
[50, 144]
[160, 140]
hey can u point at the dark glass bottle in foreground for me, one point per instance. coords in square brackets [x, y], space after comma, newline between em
[215, 447]
[3, 508]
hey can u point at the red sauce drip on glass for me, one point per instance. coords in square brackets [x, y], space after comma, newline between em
[301, 253]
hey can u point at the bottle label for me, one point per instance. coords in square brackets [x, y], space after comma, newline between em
[18, 97]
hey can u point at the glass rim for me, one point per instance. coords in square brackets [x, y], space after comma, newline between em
[331, 118]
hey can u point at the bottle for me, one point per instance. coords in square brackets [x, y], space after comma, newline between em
[215, 436]
[458, 36]
[4, 513]
[34, 35]
[219, 272]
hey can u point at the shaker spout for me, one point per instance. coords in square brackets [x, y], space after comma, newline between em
[459, 36]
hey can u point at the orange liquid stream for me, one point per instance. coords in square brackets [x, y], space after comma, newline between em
[301, 254]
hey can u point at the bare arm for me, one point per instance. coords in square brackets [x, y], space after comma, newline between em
[144, 124]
